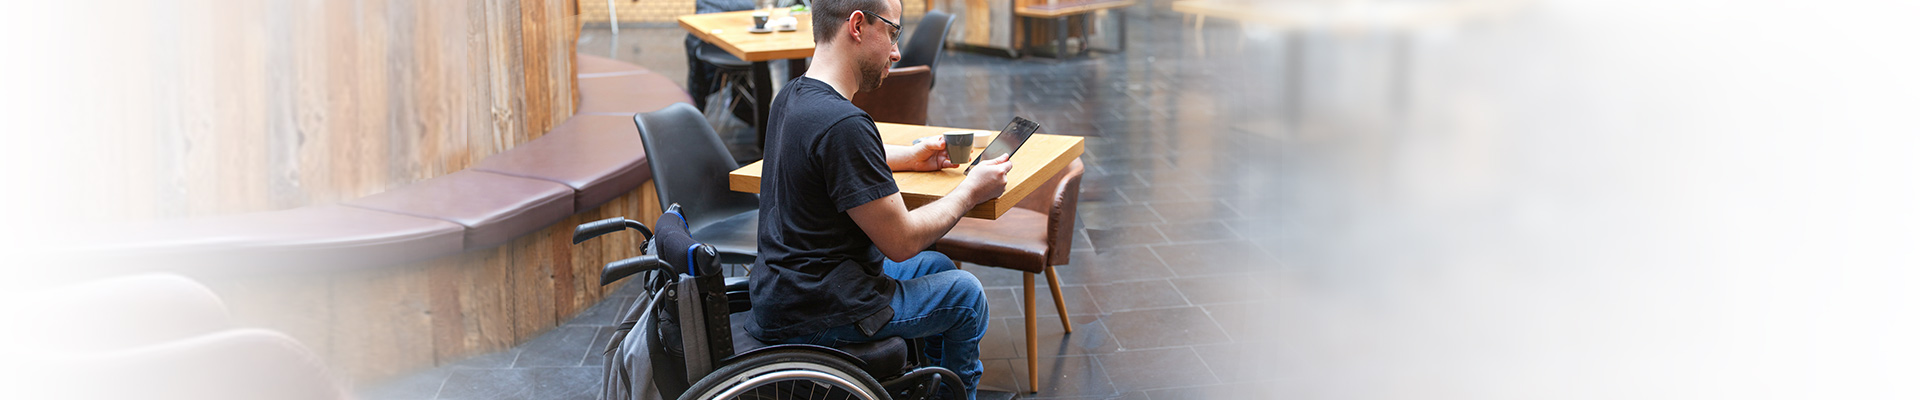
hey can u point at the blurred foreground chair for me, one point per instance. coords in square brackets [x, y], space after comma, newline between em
[150, 336]
[690, 167]
[1034, 236]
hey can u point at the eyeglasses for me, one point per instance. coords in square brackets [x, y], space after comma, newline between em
[895, 37]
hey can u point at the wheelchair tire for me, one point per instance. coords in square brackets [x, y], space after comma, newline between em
[787, 374]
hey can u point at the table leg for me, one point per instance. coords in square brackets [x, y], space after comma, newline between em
[1296, 54]
[1060, 38]
[796, 67]
[762, 100]
[1402, 71]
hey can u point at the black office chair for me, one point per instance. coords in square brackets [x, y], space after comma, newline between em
[928, 40]
[690, 166]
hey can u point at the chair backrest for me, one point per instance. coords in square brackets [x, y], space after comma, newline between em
[902, 97]
[690, 165]
[927, 42]
[1059, 198]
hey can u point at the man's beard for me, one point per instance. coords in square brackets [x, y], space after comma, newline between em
[871, 75]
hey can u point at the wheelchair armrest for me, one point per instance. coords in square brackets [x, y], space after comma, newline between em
[733, 254]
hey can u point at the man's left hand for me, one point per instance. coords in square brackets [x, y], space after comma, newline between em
[929, 154]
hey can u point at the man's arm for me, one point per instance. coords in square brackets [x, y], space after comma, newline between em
[902, 233]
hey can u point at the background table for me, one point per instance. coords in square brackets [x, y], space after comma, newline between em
[728, 30]
[1041, 158]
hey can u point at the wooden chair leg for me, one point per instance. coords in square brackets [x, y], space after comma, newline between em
[1033, 340]
[1053, 282]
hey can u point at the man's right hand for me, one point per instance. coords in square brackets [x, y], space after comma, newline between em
[988, 179]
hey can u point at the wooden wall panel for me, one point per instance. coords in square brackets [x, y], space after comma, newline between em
[382, 322]
[264, 105]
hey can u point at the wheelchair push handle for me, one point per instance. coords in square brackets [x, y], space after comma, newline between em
[624, 268]
[610, 225]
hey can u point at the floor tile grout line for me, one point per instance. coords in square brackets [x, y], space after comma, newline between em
[442, 387]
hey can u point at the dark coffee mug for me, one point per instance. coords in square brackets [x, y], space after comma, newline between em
[759, 20]
[959, 146]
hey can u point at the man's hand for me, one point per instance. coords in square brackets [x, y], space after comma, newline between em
[930, 154]
[988, 179]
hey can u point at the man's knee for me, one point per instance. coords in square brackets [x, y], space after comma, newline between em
[935, 259]
[966, 289]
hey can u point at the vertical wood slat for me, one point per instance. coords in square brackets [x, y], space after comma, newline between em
[367, 147]
[508, 80]
[532, 56]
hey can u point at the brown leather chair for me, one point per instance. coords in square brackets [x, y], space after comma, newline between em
[1034, 236]
[902, 97]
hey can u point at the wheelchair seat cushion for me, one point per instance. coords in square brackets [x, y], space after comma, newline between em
[882, 359]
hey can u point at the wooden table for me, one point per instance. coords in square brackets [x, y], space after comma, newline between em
[1398, 19]
[728, 30]
[1040, 159]
[1059, 10]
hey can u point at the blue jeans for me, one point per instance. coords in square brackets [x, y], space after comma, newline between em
[934, 301]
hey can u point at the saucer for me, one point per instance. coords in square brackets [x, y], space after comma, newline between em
[760, 30]
[788, 28]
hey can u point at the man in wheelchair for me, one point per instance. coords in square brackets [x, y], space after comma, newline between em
[841, 257]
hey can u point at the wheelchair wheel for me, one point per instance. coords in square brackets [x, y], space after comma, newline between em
[787, 374]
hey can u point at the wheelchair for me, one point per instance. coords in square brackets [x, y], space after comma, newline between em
[686, 338]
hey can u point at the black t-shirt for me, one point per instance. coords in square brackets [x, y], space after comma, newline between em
[817, 269]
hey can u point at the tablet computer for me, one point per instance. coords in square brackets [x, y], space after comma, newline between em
[1008, 141]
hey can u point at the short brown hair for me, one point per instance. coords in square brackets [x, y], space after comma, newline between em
[829, 14]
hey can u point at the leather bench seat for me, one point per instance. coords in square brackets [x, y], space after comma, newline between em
[627, 94]
[589, 66]
[600, 156]
[494, 208]
[586, 161]
[318, 237]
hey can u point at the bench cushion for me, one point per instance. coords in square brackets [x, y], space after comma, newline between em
[494, 208]
[590, 66]
[277, 242]
[629, 94]
[599, 156]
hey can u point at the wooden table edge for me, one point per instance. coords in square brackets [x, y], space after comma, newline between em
[738, 180]
[707, 36]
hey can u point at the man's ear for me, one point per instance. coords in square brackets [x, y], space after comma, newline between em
[853, 23]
